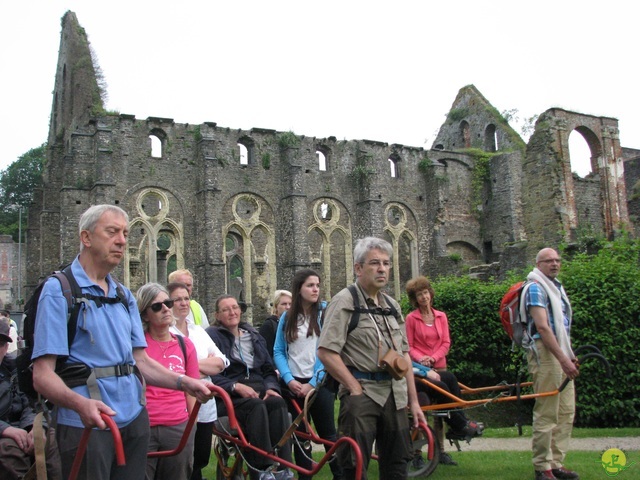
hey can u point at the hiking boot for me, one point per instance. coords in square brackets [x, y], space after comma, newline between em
[470, 430]
[445, 459]
[565, 473]
[544, 475]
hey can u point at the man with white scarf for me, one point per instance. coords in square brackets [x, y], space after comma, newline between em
[548, 307]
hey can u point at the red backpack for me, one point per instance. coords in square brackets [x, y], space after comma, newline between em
[514, 316]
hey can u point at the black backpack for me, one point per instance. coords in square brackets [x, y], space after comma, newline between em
[75, 374]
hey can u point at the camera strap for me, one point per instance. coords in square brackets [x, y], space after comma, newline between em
[375, 324]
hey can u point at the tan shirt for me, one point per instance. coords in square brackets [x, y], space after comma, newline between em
[359, 349]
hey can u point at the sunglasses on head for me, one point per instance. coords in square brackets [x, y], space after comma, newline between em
[156, 307]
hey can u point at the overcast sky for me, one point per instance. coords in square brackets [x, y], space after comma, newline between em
[377, 70]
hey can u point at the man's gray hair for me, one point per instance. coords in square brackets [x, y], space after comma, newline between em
[91, 216]
[364, 245]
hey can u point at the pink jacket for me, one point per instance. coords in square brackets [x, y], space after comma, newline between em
[416, 335]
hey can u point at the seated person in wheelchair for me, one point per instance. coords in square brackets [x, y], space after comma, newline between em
[295, 355]
[429, 342]
[460, 428]
[252, 383]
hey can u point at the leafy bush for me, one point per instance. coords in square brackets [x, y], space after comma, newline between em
[481, 355]
[603, 288]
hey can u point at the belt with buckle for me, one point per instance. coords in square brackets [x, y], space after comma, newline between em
[375, 376]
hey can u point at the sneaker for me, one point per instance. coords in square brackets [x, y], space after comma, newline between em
[285, 474]
[445, 459]
[418, 462]
[474, 429]
[264, 476]
[565, 473]
[544, 475]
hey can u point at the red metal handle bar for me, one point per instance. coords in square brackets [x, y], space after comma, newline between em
[238, 439]
[185, 435]
[84, 441]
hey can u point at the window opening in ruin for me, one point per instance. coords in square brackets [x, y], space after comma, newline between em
[164, 242]
[245, 150]
[236, 269]
[244, 154]
[579, 154]
[151, 204]
[465, 132]
[233, 252]
[325, 211]
[322, 161]
[156, 146]
[394, 166]
[490, 139]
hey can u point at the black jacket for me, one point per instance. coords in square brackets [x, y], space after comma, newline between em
[268, 331]
[263, 370]
[15, 410]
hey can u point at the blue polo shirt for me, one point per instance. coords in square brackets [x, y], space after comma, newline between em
[105, 336]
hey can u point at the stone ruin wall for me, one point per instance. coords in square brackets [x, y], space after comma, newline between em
[480, 195]
[268, 215]
[632, 181]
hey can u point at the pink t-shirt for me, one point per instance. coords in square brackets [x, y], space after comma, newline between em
[165, 406]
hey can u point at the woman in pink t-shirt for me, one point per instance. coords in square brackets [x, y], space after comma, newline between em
[168, 409]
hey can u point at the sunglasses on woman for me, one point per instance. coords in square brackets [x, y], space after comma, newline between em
[156, 307]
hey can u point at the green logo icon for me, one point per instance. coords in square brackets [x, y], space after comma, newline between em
[614, 461]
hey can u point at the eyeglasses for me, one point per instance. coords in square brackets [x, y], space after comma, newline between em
[156, 307]
[227, 310]
[552, 260]
[378, 263]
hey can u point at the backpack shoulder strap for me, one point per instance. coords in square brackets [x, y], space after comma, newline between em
[73, 293]
[120, 293]
[183, 347]
[394, 312]
[355, 316]
[357, 309]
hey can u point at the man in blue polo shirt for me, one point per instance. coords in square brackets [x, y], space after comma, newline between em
[109, 337]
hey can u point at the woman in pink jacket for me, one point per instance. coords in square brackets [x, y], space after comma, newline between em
[427, 328]
[429, 342]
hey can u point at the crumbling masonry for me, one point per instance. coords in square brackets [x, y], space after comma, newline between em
[244, 209]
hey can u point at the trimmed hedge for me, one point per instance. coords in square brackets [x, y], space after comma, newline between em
[604, 291]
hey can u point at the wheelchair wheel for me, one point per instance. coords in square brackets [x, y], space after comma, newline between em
[420, 465]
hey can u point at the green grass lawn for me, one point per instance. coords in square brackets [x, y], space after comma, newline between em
[514, 465]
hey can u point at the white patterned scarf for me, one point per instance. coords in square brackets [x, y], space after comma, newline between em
[556, 296]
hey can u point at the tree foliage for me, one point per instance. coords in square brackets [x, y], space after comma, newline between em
[17, 184]
[604, 288]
